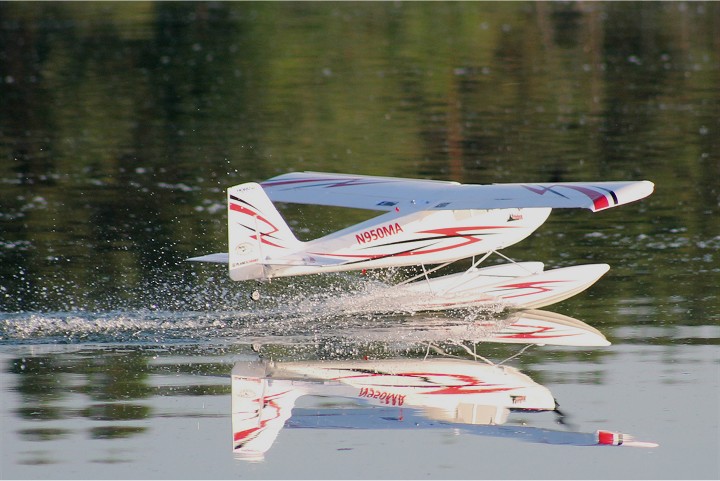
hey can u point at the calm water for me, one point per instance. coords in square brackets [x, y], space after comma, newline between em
[121, 125]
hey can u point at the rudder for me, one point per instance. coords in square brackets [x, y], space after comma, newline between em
[256, 232]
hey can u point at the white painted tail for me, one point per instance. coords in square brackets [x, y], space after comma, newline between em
[257, 233]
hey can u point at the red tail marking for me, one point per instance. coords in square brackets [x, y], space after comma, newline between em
[248, 212]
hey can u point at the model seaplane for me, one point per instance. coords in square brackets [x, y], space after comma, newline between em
[423, 223]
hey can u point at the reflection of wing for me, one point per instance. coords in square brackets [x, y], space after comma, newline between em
[390, 193]
[322, 417]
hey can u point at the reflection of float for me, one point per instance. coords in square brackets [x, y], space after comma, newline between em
[391, 394]
[543, 327]
[517, 327]
[534, 326]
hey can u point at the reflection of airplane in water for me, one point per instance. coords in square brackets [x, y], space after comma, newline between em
[473, 396]
[532, 326]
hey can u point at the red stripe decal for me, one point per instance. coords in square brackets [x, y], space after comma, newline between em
[599, 199]
[528, 285]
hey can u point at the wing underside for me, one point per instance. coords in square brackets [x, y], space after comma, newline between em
[391, 193]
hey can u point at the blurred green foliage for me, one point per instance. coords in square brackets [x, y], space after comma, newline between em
[121, 123]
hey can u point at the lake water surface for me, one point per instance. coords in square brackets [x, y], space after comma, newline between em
[122, 124]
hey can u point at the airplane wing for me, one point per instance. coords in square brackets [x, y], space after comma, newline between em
[393, 193]
[356, 191]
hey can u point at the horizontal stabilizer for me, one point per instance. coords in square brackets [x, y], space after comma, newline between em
[218, 258]
[305, 260]
[224, 258]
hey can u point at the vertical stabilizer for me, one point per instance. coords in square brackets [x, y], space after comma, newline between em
[256, 232]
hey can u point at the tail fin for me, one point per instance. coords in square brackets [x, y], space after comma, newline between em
[256, 232]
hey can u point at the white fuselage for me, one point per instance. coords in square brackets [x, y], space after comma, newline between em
[401, 239]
